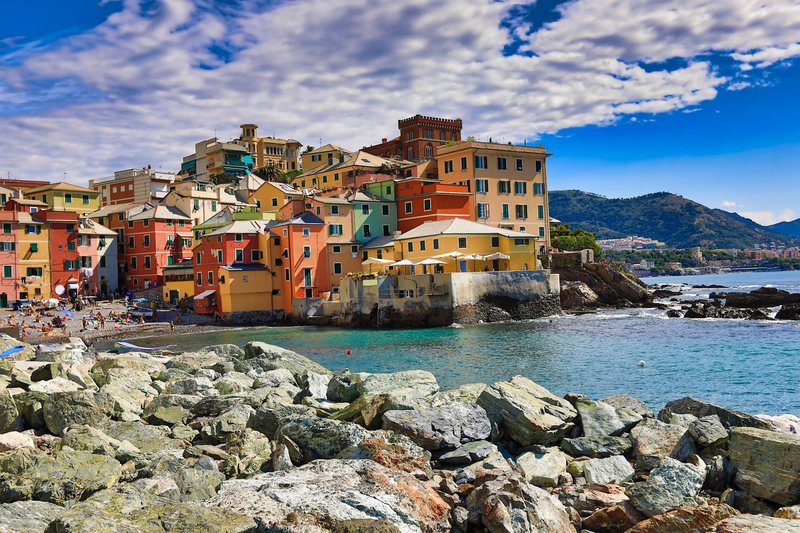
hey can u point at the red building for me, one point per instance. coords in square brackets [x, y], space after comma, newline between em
[65, 261]
[418, 139]
[299, 258]
[154, 238]
[421, 200]
[9, 282]
[233, 244]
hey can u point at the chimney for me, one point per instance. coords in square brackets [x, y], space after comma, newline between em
[384, 140]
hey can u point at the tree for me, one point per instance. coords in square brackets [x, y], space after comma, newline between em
[309, 148]
[567, 240]
[269, 173]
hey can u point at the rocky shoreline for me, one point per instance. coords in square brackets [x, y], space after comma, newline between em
[260, 438]
[754, 305]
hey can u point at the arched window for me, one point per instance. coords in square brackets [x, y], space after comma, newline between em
[410, 152]
[428, 150]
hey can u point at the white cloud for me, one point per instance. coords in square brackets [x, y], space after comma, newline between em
[767, 218]
[728, 204]
[144, 86]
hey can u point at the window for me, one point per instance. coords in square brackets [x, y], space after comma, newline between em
[80, 241]
[335, 229]
[435, 244]
[7, 273]
[237, 237]
[181, 223]
[196, 206]
[30, 228]
[324, 179]
[385, 210]
[337, 268]
[410, 153]
[388, 190]
[519, 164]
[422, 246]
[483, 210]
[120, 216]
[426, 204]
[70, 228]
[481, 186]
[147, 262]
[334, 210]
[504, 187]
[169, 222]
[306, 251]
[336, 176]
[170, 261]
[367, 232]
[307, 278]
[306, 232]
[448, 167]
[463, 163]
[505, 211]
[6, 228]
[354, 249]
[538, 189]
[408, 207]
[364, 255]
[146, 223]
[378, 253]
[538, 166]
[67, 198]
[336, 249]
[522, 242]
[210, 278]
[540, 211]
[146, 240]
[255, 255]
[520, 187]
[34, 247]
[131, 242]
[275, 202]
[462, 242]
[239, 255]
[410, 246]
[34, 271]
[133, 263]
[502, 163]
[427, 134]
[428, 150]
[71, 246]
[199, 278]
[315, 157]
[541, 231]
[286, 274]
[85, 199]
[197, 258]
[481, 161]
[365, 209]
[521, 211]
[495, 242]
[386, 230]
[213, 205]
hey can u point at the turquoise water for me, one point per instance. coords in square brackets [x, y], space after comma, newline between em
[752, 366]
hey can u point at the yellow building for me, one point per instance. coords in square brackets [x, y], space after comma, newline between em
[245, 287]
[283, 154]
[178, 282]
[466, 246]
[508, 184]
[378, 254]
[341, 169]
[326, 155]
[66, 197]
[271, 196]
[33, 254]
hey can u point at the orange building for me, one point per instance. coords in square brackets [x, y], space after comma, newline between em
[64, 256]
[421, 200]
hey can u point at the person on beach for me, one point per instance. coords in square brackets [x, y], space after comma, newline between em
[85, 324]
[102, 321]
[177, 317]
[171, 326]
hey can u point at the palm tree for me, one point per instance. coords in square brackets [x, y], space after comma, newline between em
[269, 173]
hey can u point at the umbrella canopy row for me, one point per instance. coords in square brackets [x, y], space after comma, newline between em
[434, 260]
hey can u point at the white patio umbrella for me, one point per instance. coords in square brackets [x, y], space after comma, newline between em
[402, 263]
[473, 257]
[449, 255]
[429, 261]
[375, 261]
[496, 255]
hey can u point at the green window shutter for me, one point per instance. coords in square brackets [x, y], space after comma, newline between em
[71, 246]
[7, 271]
[34, 247]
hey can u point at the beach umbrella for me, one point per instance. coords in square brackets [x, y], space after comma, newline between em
[496, 255]
[402, 263]
[449, 255]
[67, 313]
[429, 261]
[375, 261]
[473, 258]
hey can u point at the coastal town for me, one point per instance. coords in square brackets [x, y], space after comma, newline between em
[272, 226]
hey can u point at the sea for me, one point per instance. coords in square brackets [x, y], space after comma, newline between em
[753, 366]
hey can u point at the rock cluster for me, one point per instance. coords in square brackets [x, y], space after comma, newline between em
[263, 439]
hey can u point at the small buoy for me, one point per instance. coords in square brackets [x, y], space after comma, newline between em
[349, 352]
[640, 363]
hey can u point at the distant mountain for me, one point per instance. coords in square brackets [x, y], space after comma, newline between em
[677, 221]
[791, 229]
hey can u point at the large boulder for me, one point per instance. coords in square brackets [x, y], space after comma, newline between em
[654, 440]
[61, 477]
[467, 393]
[615, 469]
[468, 453]
[605, 446]
[528, 413]
[767, 464]
[761, 297]
[321, 438]
[588, 499]
[14, 440]
[708, 431]
[146, 438]
[393, 452]
[577, 295]
[542, 469]
[748, 523]
[64, 409]
[600, 419]
[27, 517]
[614, 519]
[406, 388]
[10, 419]
[86, 438]
[326, 493]
[686, 519]
[267, 419]
[509, 504]
[698, 408]
[671, 485]
[271, 357]
[437, 428]
[626, 401]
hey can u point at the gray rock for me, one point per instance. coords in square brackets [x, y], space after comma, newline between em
[728, 417]
[405, 387]
[86, 438]
[604, 446]
[27, 517]
[48, 372]
[344, 387]
[708, 431]
[654, 440]
[767, 464]
[333, 491]
[624, 401]
[54, 385]
[792, 512]
[671, 484]
[268, 418]
[148, 439]
[234, 382]
[233, 420]
[436, 428]
[29, 405]
[719, 476]
[322, 438]
[784, 423]
[509, 504]
[273, 378]
[314, 385]
[191, 386]
[494, 461]
[72, 352]
[614, 469]
[223, 350]
[467, 393]
[272, 357]
[10, 419]
[747, 523]
[64, 409]
[468, 453]
[527, 413]
[542, 469]
[600, 419]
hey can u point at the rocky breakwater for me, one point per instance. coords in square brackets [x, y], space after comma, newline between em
[758, 304]
[263, 439]
[593, 285]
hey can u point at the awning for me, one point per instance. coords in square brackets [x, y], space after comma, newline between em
[204, 294]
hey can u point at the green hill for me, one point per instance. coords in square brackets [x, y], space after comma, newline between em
[677, 221]
[791, 229]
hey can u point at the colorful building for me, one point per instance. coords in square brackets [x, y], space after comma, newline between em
[466, 246]
[421, 200]
[343, 168]
[419, 137]
[508, 184]
[156, 236]
[215, 160]
[66, 197]
[272, 196]
[9, 277]
[65, 261]
[283, 154]
[133, 186]
[373, 216]
[178, 282]
[97, 250]
[33, 269]
[200, 201]
[231, 214]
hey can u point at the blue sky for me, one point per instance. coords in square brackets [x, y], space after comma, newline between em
[697, 99]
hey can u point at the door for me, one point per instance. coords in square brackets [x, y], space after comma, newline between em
[307, 277]
[174, 296]
[309, 293]
[4, 300]
[462, 266]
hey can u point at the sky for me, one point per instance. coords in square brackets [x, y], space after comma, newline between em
[697, 97]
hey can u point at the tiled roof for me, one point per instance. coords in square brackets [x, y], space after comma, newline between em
[238, 226]
[458, 226]
[161, 212]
